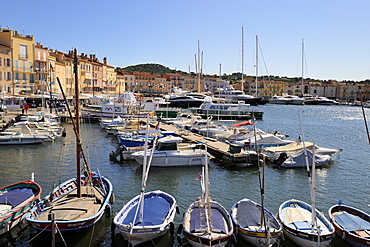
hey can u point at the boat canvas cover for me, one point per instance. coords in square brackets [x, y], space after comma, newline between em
[16, 197]
[351, 222]
[155, 211]
[290, 147]
[250, 215]
[298, 159]
[217, 220]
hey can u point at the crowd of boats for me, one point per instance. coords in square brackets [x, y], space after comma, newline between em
[80, 202]
[205, 222]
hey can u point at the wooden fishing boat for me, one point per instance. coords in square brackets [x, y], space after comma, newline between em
[206, 222]
[15, 201]
[79, 202]
[296, 218]
[70, 211]
[302, 222]
[252, 221]
[247, 216]
[351, 224]
[148, 215]
[159, 210]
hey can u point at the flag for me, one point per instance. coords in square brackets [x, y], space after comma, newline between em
[51, 68]
[199, 177]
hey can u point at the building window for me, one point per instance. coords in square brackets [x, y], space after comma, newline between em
[24, 66]
[23, 51]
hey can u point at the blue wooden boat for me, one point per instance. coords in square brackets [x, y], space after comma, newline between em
[351, 224]
[148, 215]
[15, 201]
[159, 210]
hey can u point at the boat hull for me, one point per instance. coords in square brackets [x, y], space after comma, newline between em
[198, 238]
[355, 237]
[38, 220]
[248, 228]
[154, 224]
[299, 231]
[170, 159]
[11, 218]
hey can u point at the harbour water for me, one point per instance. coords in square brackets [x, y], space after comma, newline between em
[345, 178]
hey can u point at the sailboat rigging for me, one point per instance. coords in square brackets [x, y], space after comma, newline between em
[148, 215]
[302, 222]
[79, 202]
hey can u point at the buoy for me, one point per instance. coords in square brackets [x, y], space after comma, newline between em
[111, 199]
[179, 230]
[107, 211]
[172, 228]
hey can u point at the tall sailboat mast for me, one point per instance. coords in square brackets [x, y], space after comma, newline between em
[77, 116]
[302, 66]
[242, 87]
[199, 68]
[256, 65]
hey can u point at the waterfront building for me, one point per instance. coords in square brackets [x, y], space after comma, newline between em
[110, 79]
[23, 80]
[41, 69]
[5, 69]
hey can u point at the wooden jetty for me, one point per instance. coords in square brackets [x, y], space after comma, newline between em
[227, 153]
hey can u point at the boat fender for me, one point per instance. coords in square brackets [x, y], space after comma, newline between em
[177, 210]
[172, 228]
[107, 211]
[112, 199]
[344, 235]
[179, 229]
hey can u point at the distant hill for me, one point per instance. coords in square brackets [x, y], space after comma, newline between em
[153, 68]
[234, 77]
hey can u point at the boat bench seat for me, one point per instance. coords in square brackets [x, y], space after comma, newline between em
[72, 209]
[363, 233]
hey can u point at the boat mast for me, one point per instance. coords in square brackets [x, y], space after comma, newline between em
[242, 87]
[302, 90]
[256, 64]
[199, 68]
[77, 116]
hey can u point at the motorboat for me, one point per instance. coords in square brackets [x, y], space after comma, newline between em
[189, 100]
[319, 100]
[294, 100]
[230, 111]
[123, 105]
[297, 159]
[304, 225]
[279, 100]
[351, 224]
[273, 153]
[248, 137]
[167, 153]
[234, 95]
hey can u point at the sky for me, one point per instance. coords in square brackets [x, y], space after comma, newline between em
[334, 34]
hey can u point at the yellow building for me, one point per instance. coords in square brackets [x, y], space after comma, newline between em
[5, 69]
[271, 88]
[41, 69]
[23, 80]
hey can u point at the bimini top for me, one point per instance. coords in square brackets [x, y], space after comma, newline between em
[291, 147]
[168, 143]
